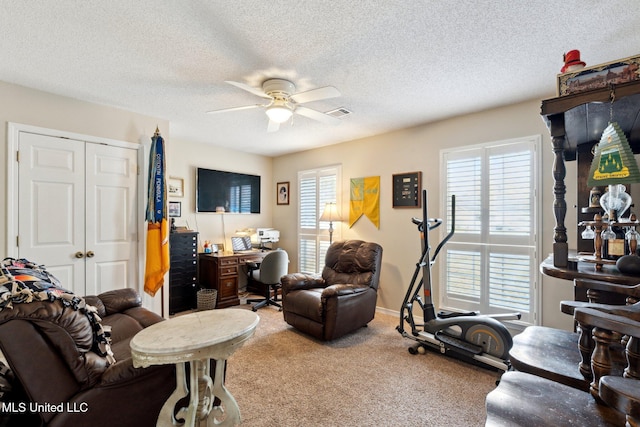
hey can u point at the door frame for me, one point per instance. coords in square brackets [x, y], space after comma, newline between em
[142, 148]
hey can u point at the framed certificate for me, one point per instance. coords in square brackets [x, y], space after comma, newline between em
[406, 190]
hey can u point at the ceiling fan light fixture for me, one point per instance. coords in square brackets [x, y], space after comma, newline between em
[279, 113]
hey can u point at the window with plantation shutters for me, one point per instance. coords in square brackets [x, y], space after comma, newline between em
[315, 188]
[491, 263]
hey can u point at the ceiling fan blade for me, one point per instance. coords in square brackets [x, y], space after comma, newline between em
[273, 126]
[224, 110]
[316, 94]
[253, 90]
[317, 115]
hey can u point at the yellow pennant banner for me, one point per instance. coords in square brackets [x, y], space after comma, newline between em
[365, 200]
[157, 256]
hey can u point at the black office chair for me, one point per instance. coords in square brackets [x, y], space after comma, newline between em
[268, 274]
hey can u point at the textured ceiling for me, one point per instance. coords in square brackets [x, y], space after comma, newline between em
[397, 63]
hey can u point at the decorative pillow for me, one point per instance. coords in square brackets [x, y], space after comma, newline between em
[23, 281]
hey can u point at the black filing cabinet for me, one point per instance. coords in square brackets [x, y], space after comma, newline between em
[183, 275]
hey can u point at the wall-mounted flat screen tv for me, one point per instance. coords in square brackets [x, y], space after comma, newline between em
[235, 192]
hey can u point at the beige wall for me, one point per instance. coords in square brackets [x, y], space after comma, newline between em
[182, 160]
[418, 149]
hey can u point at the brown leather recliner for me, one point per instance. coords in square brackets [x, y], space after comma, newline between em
[342, 299]
[48, 348]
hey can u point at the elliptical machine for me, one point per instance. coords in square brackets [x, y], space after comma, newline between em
[468, 335]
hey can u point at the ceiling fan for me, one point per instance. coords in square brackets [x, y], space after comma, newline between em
[284, 102]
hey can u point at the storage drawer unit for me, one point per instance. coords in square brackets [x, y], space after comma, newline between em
[183, 274]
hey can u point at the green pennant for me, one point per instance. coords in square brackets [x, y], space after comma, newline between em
[613, 161]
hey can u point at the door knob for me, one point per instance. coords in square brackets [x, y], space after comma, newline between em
[90, 254]
[79, 254]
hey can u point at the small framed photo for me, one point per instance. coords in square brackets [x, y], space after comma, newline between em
[406, 190]
[175, 209]
[282, 189]
[175, 187]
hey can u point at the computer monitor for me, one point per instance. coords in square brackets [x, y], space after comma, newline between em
[241, 243]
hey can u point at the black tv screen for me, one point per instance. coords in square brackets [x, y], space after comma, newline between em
[235, 192]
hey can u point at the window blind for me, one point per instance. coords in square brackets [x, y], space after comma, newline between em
[490, 264]
[316, 188]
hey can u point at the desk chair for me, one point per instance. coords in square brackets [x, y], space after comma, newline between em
[268, 274]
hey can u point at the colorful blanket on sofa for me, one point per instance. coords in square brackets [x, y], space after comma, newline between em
[23, 281]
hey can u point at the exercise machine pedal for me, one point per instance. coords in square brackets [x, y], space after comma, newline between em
[458, 343]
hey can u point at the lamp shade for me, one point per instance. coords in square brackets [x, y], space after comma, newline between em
[330, 213]
[279, 113]
[613, 161]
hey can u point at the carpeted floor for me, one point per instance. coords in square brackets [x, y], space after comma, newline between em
[282, 377]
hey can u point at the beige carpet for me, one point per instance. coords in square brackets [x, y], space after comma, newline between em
[282, 377]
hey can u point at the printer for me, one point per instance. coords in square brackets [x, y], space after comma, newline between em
[267, 235]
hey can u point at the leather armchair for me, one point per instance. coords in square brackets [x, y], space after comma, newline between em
[342, 299]
[49, 349]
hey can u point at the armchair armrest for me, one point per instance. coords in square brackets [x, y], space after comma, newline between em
[622, 394]
[624, 319]
[569, 307]
[299, 281]
[343, 289]
[119, 300]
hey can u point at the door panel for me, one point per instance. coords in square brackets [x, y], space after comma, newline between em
[51, 205]
[111, 218]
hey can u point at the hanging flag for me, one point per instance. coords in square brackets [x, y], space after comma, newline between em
[365, 199]
[157, 264]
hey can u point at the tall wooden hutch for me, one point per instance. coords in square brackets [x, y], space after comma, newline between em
[576, 123]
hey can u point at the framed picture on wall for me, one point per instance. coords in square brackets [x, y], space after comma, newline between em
[175, 209]
[406, 190]
[175, 187]
[282, 193]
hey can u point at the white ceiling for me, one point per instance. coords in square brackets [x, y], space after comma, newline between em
[397, 63]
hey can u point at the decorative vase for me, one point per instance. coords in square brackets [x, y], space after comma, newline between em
[615, 199]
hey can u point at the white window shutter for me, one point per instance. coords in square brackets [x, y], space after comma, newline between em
[490, 264]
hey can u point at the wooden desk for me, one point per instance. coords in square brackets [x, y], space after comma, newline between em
[196, 338]
[222, 272]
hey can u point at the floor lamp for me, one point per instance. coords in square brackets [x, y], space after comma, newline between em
[330, 214]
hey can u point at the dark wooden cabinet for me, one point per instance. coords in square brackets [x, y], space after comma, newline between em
[183, 274]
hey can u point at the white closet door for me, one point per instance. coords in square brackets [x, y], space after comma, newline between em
[78, 201]
[111, 226]
[51, 220]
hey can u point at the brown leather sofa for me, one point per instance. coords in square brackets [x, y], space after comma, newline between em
[342, 299]
[49, 349]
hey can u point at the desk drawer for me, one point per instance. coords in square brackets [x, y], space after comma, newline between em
[250, 258]
[226, 261]
[228, 270]
[228, 288]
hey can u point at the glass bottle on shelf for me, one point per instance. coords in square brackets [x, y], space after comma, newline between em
[631, 237]
[613, 239]
[588, 233]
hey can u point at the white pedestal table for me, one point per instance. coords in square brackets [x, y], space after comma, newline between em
[196, 338]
